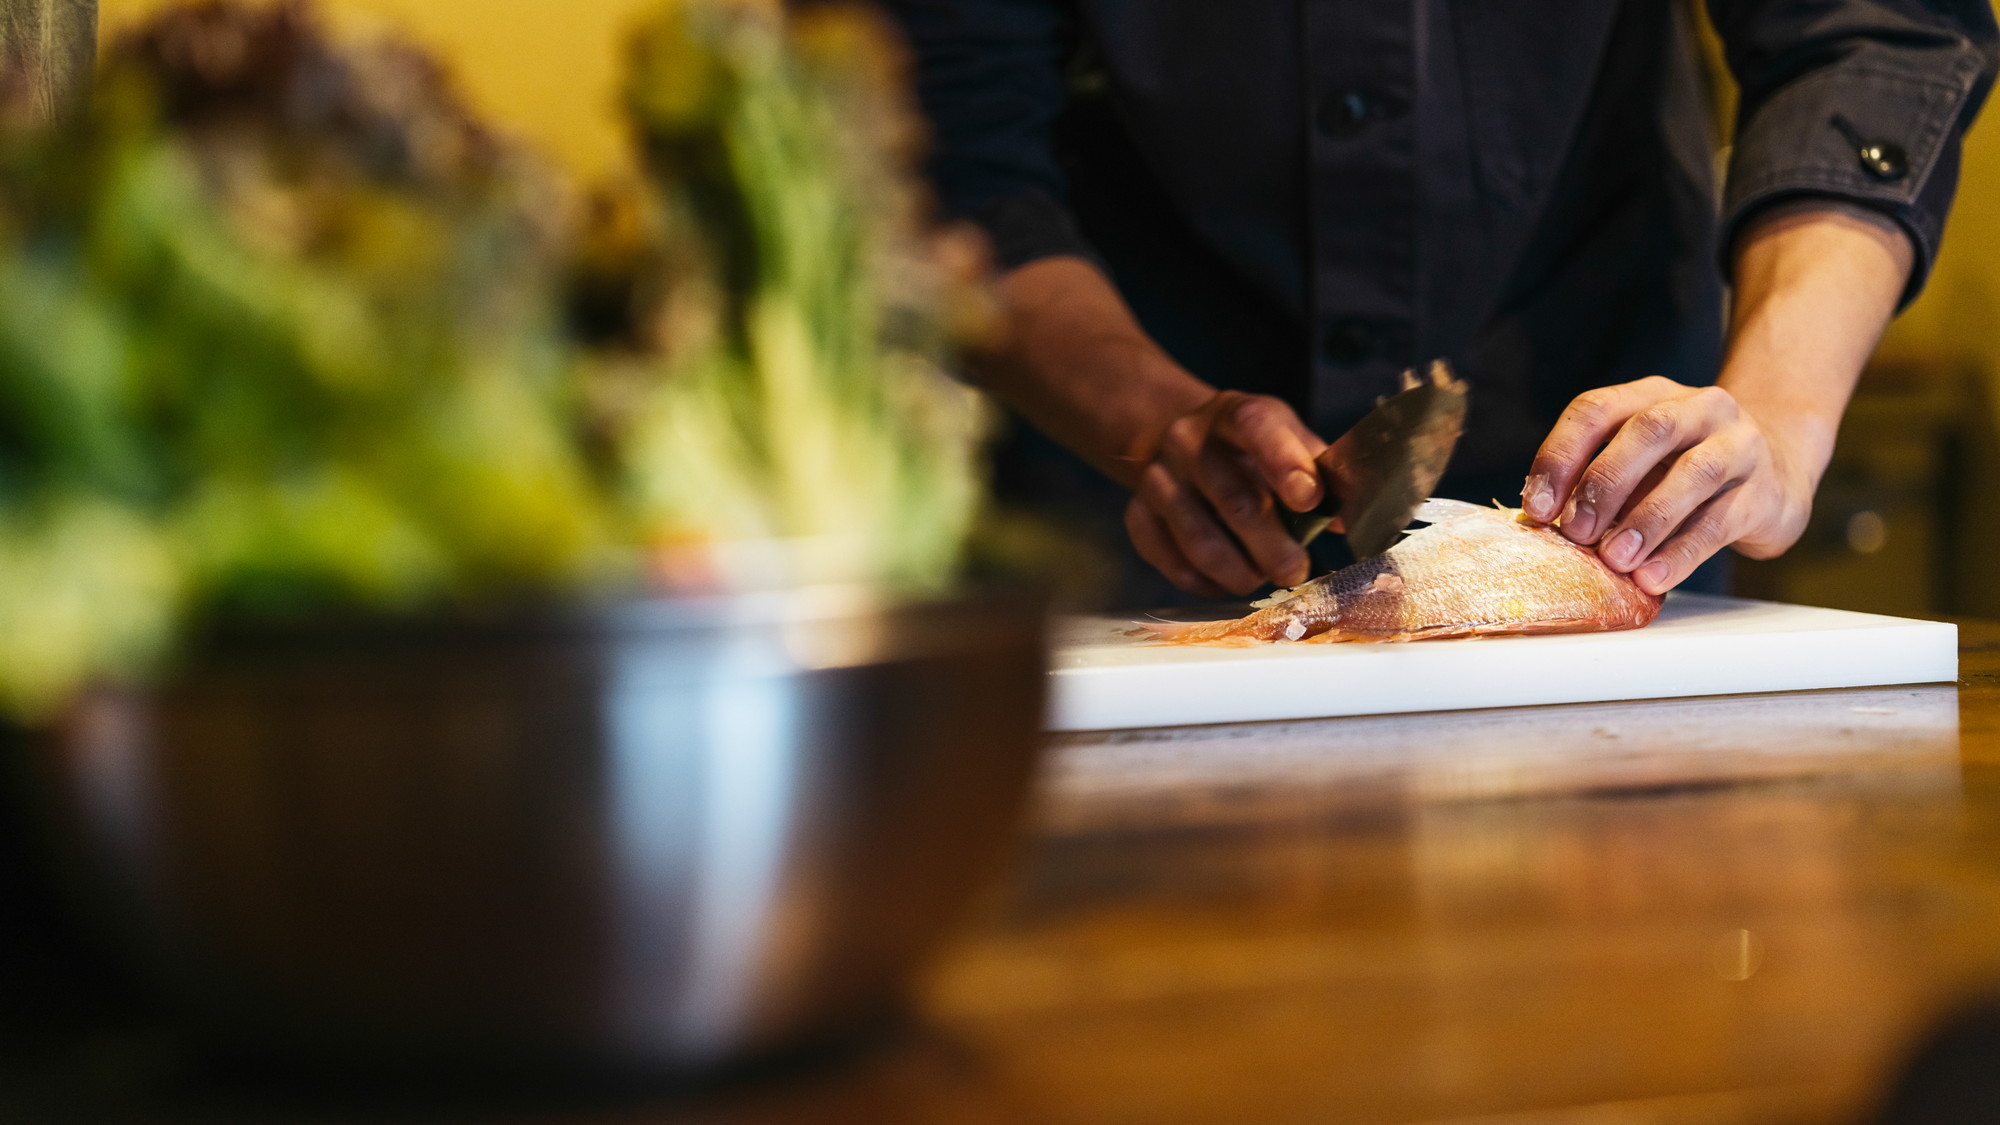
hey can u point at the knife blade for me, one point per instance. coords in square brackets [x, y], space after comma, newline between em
[1376, 474]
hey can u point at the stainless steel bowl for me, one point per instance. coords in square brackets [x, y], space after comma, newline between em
[662, 836]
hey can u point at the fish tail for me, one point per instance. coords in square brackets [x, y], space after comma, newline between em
[1195, 632]
[1293, 618]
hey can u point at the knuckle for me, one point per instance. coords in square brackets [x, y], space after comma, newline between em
[1597, 485]
[1708, 532]
[1183, 437]
[1250, 409]
[1704, 468]
[1650, 520]
[1554, 458]
[1590, 407]
[1684, 553]
[1679, 557]
[1716, 398]
[1655, 425]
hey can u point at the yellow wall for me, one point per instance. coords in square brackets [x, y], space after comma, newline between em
[1958, 317]
[544, 67]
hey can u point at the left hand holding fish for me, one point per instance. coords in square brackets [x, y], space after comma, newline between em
[1661, 476]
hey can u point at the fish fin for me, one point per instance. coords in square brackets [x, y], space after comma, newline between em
[1219, 634]
[1192, 632]
[1280, 597]
[1439, 510]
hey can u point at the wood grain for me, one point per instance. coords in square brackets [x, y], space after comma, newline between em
[1741, 910]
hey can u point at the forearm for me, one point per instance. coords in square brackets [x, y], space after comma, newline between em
[1816, 283]
[1080, 368]
[1661, 476]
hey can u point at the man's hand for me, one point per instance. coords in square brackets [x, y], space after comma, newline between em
[1225, 466]
[1683, 473]
[1197, 460]
[1661, 476]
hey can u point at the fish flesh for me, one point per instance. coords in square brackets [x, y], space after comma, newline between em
[1473, 572]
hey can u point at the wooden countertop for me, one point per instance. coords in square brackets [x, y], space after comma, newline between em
[1725, 910]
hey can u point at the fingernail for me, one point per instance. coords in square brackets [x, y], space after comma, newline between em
[1623, 548]
[1538, 498]
[1300, 488]
[1652, 576]
[1580, 520]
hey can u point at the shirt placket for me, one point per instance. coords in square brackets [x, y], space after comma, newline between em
[1360, 68]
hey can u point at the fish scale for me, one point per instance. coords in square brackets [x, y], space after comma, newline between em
[1472, 572]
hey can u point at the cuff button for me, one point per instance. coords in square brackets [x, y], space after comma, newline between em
[1883, 160]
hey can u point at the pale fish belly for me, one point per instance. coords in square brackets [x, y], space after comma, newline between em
[1472, 572]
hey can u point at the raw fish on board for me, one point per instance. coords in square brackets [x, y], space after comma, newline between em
[1473, 572]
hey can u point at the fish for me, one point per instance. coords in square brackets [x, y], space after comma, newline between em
[1473, 572]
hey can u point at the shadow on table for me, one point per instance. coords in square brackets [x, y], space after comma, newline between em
[81, 1043]
[897, 1072]
[1954, 1079]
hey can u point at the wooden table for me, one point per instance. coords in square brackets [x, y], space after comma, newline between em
[1726, 910]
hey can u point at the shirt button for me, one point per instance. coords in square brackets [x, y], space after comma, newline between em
[1349, 342]
[1883, 160]
[1347, 113]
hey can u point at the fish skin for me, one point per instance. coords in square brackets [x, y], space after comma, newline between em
[1473, 572]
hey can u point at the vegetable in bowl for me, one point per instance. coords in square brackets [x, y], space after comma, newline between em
[292, 333]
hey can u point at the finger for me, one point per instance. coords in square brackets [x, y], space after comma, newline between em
[1278, 445]
[1250, 512]
[1196, 531]
[1651, 436]
[1155, 544]
[1585, 425]
[1713, 526]
[1695, 477]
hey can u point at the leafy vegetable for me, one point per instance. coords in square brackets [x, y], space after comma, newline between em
[289, 332]
[813, 400]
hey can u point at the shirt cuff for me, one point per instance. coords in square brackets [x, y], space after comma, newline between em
[1029, 226]
[1864, 133]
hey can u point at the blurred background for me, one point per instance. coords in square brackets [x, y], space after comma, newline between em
[1907, 520]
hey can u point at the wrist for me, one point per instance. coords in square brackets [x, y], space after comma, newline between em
[1816, 283]
[1799, 429]
[1080, 367]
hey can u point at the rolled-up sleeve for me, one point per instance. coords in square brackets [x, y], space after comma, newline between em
[990, 78]
[1864, 101]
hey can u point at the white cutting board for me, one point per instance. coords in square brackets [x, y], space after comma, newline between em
[1700, 645]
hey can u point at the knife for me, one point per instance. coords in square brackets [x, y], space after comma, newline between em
[1377, 473]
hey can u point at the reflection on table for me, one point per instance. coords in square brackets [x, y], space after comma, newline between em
[1717, 910]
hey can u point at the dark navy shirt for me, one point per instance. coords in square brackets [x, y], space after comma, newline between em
[1306, 197]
